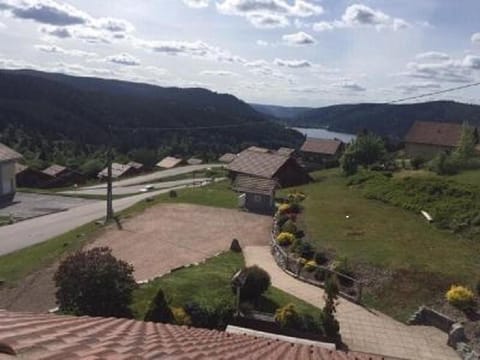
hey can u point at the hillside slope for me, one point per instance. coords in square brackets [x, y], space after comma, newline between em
[389, 120]
[57, 118]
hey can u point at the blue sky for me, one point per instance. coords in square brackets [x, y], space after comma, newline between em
[285, 52]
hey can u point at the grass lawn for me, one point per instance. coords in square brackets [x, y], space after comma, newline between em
[424, 259]
[471, 177]
[209, 284]
[19, 264]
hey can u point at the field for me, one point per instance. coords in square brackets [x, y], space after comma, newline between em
[208, 284]
[417, 260]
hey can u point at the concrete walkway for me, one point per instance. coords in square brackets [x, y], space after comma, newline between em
[362, 329]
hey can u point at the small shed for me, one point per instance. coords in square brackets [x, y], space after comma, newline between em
[118, 171]
[30, 178]
[319, 153]
[61, 176]
[169, 162]
[8, 187]
[227, 158]
[136, 166]
[194, 161]
[259, 193]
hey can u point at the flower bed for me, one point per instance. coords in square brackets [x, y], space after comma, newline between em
[296, 255]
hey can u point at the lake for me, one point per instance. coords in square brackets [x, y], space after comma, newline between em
[326, 134]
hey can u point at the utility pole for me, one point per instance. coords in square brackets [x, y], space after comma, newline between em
[109, 215]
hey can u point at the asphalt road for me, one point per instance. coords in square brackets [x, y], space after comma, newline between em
[133, 189]
[155, 176]
[29, 232]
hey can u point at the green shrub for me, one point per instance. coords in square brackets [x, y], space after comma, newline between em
[216, 315]
[159, 311]
[310, 266]
[478, 287]
[320, 258]
[285, 239]
[95, 283]
[180, 316]
[417, 162]
[460, 297]
[257, 281]
[287, 317]
[289, 226]
[305, 250]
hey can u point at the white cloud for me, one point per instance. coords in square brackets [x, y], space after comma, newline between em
[262, 43]
[197, 49]
[433, 55]
[222, 73]
[298, 39]
[294, 64]
[53, 49]
[476, 38]
[350, 85]
[269, 13]
[123, 59]
[472, 62]
[359, 15]
[2, 26]
[197, 3]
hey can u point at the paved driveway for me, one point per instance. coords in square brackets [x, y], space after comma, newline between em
[362, 329]
[26, 205]
[171, 235]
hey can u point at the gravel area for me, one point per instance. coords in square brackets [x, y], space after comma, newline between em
[168, 236]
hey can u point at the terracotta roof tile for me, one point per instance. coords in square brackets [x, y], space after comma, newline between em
[258, 163]
[47, 336]
[8, 154]
[434, 133]
[321, 146]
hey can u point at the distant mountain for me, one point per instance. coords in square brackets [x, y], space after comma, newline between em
[281, 112]
[54, 117]
[388, 120]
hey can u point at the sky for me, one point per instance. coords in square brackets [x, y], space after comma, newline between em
[283, 52]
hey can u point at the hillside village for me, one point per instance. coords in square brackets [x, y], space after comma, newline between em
[311, 245]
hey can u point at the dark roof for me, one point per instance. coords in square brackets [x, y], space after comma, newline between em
[46, 336]
[19, 168]
[135, 165]
[321, 146]
[285, 151]
[434, 133]
[254, 185]
[54, 170]
[118, 170]
[8, 154]
[258, 163]
[169, 162]
[227, 158]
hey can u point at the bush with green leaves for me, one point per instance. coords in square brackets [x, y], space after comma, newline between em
[331, 326]
[461, 297]
[416, 162]
[290, 227]
[305, 250]
[365, 150]
[257, 281]
[287, 317]
[159, 311]
[95, 283]
[285, 239]
[320, 258]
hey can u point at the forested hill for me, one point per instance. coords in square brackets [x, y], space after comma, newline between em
[65, 119]
[388, 120]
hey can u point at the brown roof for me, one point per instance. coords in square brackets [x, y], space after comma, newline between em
[259, 149]
[8, 154]
[118, 170]
[227, 158]
[434, 133]
[285, 151]
[258, 163]
[54, 170]
[45, 336]
[169, 162]
[254, 185]
[194, 161]
[321, 146]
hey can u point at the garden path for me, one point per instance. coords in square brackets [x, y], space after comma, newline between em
[362, 329]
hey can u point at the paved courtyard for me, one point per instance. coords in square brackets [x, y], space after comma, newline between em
[26, 205]
[362, 329]
[168, 236]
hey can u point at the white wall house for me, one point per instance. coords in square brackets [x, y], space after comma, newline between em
[8, 157]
